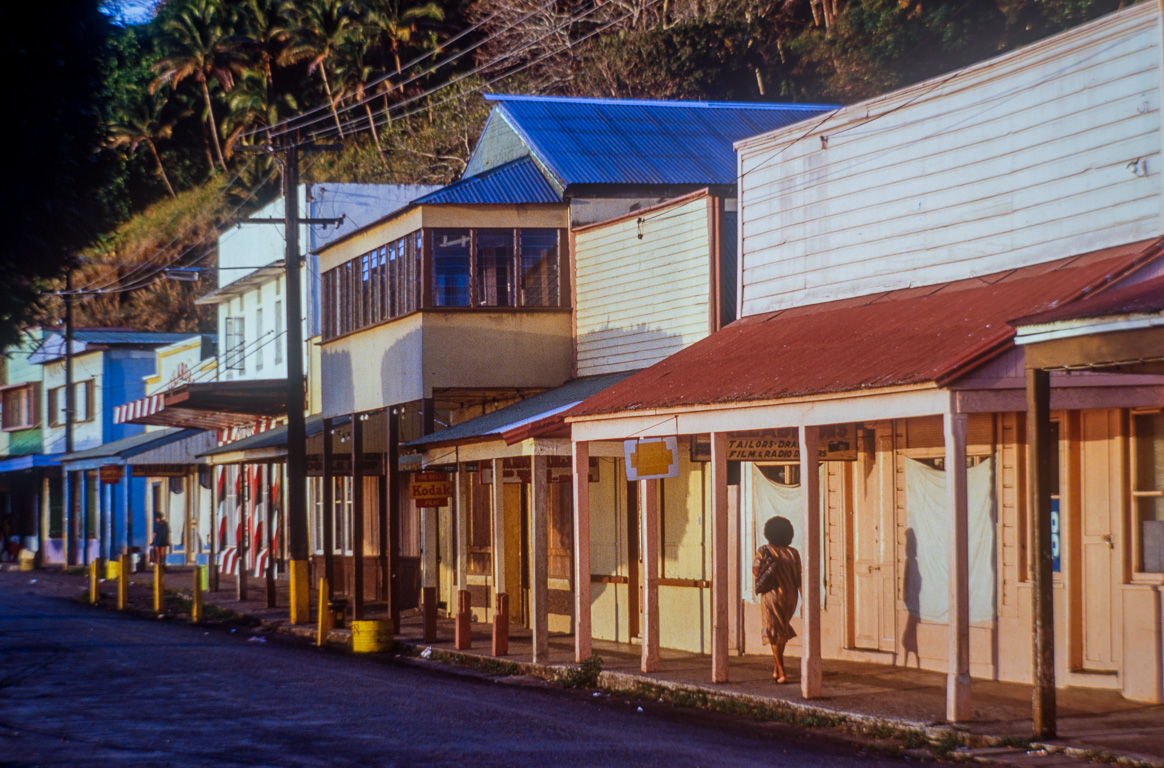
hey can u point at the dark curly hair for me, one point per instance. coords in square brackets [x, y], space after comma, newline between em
[778, 531]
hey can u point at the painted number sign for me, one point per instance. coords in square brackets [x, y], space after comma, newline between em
[430, 489]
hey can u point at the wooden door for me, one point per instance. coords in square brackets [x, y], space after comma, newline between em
[1098, 542]
[871, 555]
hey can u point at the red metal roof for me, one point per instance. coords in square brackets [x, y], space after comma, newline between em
[1140, 299]
[931, 334]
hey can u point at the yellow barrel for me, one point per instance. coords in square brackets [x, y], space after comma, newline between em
[112, 569]
[27, 559]
[371, 636]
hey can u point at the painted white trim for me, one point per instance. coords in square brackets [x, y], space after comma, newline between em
[1084, 327]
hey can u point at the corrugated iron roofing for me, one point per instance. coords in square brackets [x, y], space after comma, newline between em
[618, 141]
[932, 334]
[514, 183]
[532, 409]
[129, 446]
[1139, 299]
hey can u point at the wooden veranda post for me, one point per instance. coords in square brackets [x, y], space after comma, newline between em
[1039, 490]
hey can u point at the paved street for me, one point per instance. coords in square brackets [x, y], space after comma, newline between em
[82, 686]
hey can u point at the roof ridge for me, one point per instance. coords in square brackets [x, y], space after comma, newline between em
[665, 103]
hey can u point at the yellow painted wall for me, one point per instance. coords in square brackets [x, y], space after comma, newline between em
[408, 358]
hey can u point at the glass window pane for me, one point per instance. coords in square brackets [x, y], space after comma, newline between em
[495, 286]
[1149, 482]
[539, 267]
[450, 267]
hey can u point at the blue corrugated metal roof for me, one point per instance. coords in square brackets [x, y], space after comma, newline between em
[126, 447]
[619, 141]
[517, 182]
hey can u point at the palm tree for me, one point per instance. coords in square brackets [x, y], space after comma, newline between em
[251, 104]
[395, 26]
[318, 29]
[140, 120]
[201, 47]
[352, 75]
[262, 32]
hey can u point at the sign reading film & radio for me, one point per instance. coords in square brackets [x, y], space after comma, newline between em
[838, 442]
[430, 489]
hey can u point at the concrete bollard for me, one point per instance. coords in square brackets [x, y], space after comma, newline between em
[123, 583]
[196, 609]
[501, 626]
[94, 591]
[463, 635]
[324, 614]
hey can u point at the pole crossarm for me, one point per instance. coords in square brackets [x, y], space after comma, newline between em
[325, 222]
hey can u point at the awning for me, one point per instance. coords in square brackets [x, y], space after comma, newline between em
[930, 335]
[542, 415]
[33, 461]
[270, 445]
[208, 405]
[121, 451]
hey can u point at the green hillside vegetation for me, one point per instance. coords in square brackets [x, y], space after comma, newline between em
[184, 97]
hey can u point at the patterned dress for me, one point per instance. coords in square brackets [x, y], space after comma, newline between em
[778, 605]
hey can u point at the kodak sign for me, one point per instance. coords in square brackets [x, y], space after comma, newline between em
[430, 489]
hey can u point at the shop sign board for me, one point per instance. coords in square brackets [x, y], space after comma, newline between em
[651, 458]
[430, 489]
[838, 442]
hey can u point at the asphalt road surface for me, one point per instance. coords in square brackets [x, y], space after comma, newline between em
[81, 686]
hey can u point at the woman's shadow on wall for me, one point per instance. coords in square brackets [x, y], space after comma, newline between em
[911, 589]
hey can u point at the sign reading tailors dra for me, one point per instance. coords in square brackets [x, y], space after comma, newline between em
[837, 443]
[651, 458]
[430, 489]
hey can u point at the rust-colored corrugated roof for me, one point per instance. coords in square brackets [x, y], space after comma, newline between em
[1140, 299]
[931, 334]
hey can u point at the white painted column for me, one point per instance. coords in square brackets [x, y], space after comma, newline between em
[581, 477]
[958, 676]
[499, 586]
[464, 502]
[45, 507]
[649, 624]
[540, 559]
[810, 665]
[719, 558]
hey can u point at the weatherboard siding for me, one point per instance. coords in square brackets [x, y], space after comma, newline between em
[641, 300]
[1016, 161]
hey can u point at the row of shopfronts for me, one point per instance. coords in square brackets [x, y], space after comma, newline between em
[719, 333]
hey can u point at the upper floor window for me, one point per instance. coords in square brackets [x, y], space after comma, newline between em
[18, 407]
[236, 338]
[1148, 491]
[462, 268]
[259, 335]
[278, 332]
[83, 394]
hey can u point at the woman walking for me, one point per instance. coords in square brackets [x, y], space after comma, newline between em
[776, 573]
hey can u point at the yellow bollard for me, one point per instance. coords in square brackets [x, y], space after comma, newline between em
[159, 589]
[123, 583]
[94, 592]
[300, 581]
[196, 610]
[324, 617]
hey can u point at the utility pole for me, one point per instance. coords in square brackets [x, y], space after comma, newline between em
[70, 528]
[296, 431]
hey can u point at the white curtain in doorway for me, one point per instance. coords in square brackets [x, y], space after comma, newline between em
[769, 500]
[927, 590]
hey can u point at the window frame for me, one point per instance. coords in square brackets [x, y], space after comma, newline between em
[29, 392]
[1136, 550]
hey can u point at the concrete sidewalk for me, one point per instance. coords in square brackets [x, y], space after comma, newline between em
[871, 698]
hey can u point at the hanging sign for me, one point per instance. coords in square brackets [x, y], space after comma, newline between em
[111, 473]
[430, 489]
[651, 458]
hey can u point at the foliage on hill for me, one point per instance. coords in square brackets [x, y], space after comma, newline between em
[185, 94]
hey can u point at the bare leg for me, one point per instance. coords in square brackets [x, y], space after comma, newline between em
[778, 654]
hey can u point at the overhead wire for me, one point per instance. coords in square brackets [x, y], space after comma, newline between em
[292, 125]
[354, 125]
